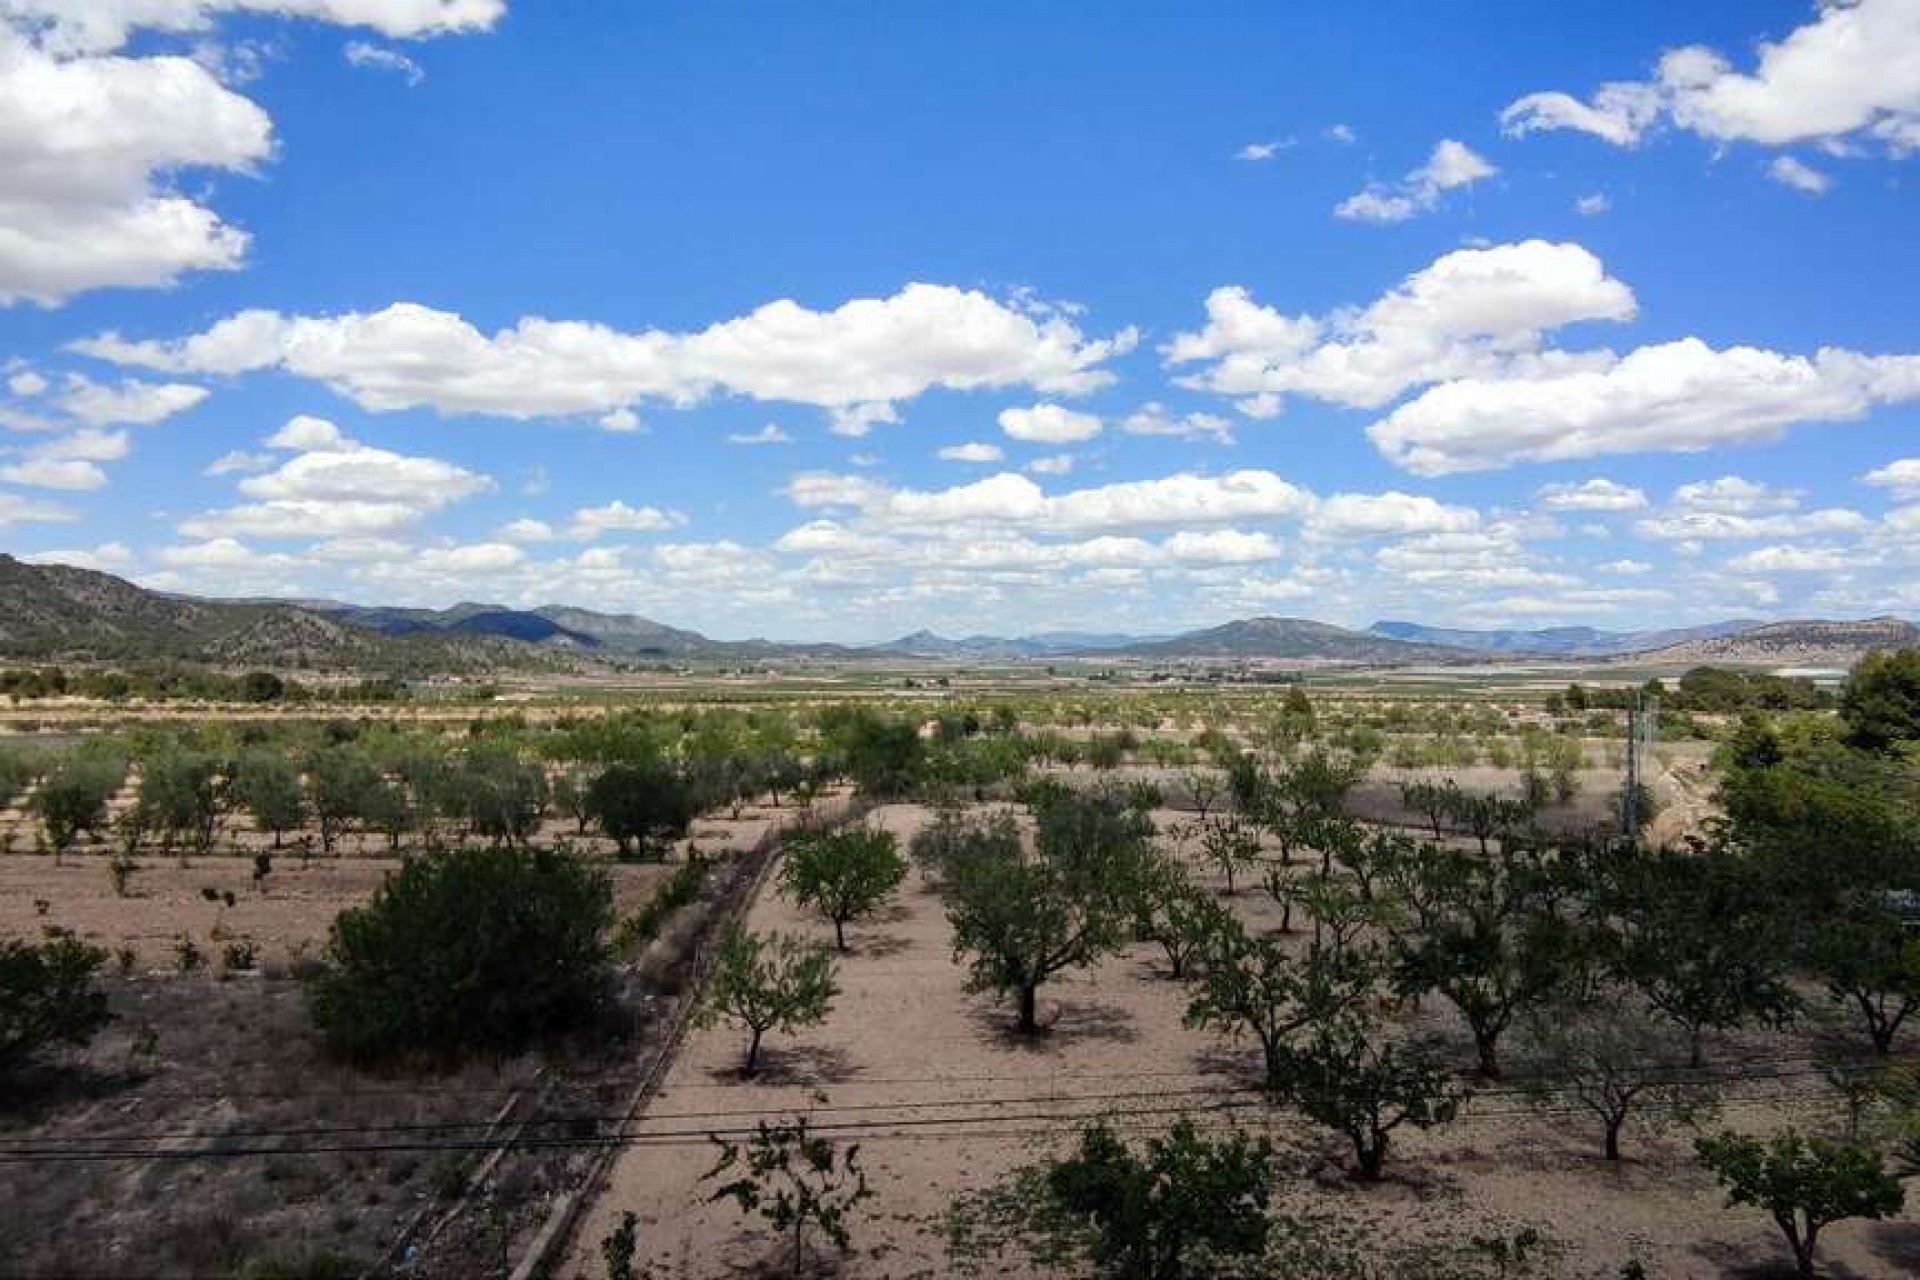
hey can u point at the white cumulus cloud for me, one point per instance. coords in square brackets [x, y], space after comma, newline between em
[1675, 396]
[1452, 164]
[854, 361]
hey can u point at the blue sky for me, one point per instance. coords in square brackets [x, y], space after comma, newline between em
[841, 320]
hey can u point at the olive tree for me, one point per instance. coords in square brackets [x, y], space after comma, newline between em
[504, 794]
[179, 798]
[843, 874]
[340, 782]
[73, 797]
[267, 785]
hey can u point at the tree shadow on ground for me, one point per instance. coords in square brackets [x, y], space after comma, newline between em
[1898, 1243]
[1766, 1257]
[1239, 1063]
[39, 1089]
[1063, 1024]
[882, 946]
[802, 1064]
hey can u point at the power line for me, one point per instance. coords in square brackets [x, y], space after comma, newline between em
[52, 1150]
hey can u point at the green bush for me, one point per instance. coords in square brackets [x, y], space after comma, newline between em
[47, 997]
[465, 951]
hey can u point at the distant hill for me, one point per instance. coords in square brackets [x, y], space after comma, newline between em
[583, 631]
[1299, 639]
[629, 633]
[58, 612]
[1804, 643]
[1559, 642]
[62, 613]
[928, 644]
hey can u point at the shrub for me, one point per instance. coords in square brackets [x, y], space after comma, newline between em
[73, 797]
[47, 997]
[796, 1180]
[1176, 1210]
[644, 925]
[464, 951]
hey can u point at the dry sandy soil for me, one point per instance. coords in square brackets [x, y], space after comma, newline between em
[945, 1100]
[301, 896]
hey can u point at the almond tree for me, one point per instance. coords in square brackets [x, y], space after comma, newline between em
[767, 982]
[1352, 1077]
[1252, 986]
[1024, 916]
[1806, 1184]
[843, 874]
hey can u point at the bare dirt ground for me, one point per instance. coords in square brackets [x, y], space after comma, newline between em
[945, 1099]
[285, 916]
[287, 919]
[231, 1071]
[229, 1066]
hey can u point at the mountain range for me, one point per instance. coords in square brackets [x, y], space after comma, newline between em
[1560, 642]
[61, 612]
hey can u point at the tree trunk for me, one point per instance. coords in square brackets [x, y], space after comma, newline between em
[840, 933]
[753, 1052]
[1613, 1135]
[1487, 1045]
[1802, 1244]
[1371, 1154]
[1029, 1007]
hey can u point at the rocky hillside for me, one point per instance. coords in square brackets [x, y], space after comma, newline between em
[60, 613]
[1559, 642]
[1807, 643]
